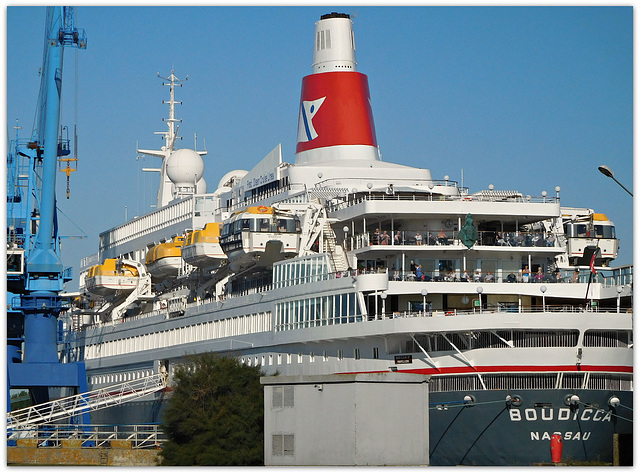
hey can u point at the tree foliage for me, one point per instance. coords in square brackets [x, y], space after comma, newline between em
[215, 415]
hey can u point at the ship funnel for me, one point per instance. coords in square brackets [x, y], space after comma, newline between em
[336, 120]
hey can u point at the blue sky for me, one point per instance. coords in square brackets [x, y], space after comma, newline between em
[522, 98]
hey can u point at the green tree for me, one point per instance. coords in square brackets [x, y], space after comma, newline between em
[215, 415]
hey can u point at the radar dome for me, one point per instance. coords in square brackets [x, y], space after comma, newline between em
[185, 167]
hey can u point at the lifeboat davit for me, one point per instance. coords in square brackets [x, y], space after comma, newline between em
[259, 236]
[165, 259]
[202, 247]
[111, 277]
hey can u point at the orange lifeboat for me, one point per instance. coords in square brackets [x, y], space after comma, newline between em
[110, 277]
[202, 247]
[165, 259]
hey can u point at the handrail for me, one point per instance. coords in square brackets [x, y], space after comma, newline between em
[93, 400]
[142, 436]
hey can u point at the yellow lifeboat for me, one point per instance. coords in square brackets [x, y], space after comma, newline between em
[110, 277]
[202, 247]
[165, 259]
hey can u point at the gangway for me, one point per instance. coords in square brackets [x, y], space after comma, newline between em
[31, 417]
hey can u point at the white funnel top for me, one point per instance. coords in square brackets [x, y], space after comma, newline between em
[335, 46]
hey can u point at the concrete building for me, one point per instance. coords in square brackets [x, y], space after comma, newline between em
[376, 419]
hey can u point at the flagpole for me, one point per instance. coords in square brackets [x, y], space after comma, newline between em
[592, 270]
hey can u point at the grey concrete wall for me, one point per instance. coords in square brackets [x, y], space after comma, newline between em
[350, 420]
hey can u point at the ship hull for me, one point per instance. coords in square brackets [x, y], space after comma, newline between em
[489, 431]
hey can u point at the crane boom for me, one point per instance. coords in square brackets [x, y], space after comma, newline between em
[37, 275]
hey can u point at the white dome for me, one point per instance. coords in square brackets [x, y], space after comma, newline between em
[185, 167]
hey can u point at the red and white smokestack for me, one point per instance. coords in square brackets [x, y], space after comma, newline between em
[336, 120]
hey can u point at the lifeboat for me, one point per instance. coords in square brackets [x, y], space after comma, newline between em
[202, 247]
[259, 236]
[165, 259]
[111, 277]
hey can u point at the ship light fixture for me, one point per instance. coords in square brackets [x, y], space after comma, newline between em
[544, 196]
[383, 295]
[558, 192]
[619, 290]
[543, 289]
[479, 290]
[424, 300]
[605, 170]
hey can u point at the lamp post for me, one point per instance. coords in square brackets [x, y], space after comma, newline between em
[605, 170]
[543, 289]
[424, 300]
[479, 291]
[345, 229]
[383, 295]
[619, 290]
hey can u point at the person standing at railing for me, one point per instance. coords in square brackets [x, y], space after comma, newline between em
[539, 277]
[375, 238]
[525, 274]
[418, 238]
[397, 239]
[419, 275]
[465, 276]
[430, 239]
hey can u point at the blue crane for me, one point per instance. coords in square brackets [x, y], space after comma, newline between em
[35, 274]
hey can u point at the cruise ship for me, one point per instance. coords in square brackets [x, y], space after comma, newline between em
[340, 262]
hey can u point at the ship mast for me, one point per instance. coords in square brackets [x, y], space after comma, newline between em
[170, 136]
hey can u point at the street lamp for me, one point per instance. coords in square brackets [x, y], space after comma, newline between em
[424, 300]
[479, 291]
[619, 290]
[543, 289]
[605, 170]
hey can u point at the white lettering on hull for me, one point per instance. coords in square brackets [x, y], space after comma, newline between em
[568, 436]
[561, 414]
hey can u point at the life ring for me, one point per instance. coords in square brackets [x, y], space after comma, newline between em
[262, 209]
[466, 199]
[449, 313]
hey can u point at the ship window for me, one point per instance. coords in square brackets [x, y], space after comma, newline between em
[375, 353]
[581, 230]
[356, 353]
[264, 225]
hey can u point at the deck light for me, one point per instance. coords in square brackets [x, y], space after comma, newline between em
[424, 300]
[479, 290]
[605, 170]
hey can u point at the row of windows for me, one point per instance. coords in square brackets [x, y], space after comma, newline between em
[248, 324]
[608, 338]
[301, 271]
[120, 377]
[487, 339]
[318, 311]
[279, 359]
[559, 380]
